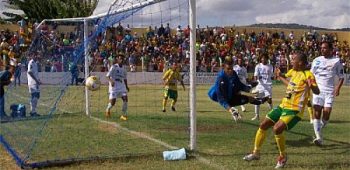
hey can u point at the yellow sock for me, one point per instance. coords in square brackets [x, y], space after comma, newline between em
[281, 144]
[173, 103]
[259, 139]
[164, 103]
[310, 111]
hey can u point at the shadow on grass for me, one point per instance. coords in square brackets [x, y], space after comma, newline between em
[305, 142]
[29, 118]
[77, 161]
[308, 139]
[339, 121]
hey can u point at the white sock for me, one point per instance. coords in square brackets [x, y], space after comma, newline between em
[125, 108]
[317, 128]
[33, 104]
[242, 107]
[109, 106]
[257, 109]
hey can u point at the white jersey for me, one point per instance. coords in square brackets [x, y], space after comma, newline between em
[33, 68]
[264, 74]
[241, 72]
[118, 75]
[325, 70]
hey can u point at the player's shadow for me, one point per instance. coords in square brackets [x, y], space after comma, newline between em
[339, 121]
[304, 142]
[307, 141]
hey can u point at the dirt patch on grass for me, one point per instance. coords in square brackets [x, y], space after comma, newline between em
[6, 160]
[108, 128]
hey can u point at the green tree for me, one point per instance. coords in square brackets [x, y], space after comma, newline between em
[50, 9]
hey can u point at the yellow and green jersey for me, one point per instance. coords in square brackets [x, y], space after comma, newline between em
[297, 91]
[171, 77]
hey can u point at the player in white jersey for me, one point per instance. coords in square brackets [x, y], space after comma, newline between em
[263, 74]
[118, 86]
[242, 74]
[325, 68]
[33, 84]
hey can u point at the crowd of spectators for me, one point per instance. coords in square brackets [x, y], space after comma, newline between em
[154, 48]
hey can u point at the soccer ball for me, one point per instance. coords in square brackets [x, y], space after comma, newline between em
[93, 83]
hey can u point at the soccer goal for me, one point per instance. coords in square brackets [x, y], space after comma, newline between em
[70, 124]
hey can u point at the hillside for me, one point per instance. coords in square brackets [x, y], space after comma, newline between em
[294, 26]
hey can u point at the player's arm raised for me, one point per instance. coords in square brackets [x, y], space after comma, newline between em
[280, 77]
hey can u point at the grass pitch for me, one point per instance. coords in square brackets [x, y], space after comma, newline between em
[221, 143]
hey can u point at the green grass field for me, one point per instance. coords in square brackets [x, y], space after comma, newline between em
[138, 143]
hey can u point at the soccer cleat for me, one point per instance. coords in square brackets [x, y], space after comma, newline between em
[122, 117]
[281, 161]
[256, 117]
[34, 114]
[251, 157]
[163, 110]
[108, 114]
[173, 108]
[317, 142]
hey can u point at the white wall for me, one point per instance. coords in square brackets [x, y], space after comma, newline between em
[133, 77]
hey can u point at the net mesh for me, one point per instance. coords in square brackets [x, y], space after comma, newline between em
[63, 133]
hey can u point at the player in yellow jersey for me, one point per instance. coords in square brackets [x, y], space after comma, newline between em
[310, 110]
[290, 111]
[170, 79]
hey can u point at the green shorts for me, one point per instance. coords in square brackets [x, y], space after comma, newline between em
[168, 93]
[288, 117]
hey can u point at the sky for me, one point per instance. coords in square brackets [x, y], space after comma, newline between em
[320, 13]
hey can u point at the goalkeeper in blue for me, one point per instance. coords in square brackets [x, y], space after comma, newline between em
[227, 91]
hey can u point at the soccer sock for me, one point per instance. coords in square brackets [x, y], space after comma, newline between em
[259, 139]
[310, 111]
[173, 102]
[281, 143]
[324, 123]
[125, 108]
[164, 103]
[109, 106]
[33, 104]
[317, 128]
[257, 109]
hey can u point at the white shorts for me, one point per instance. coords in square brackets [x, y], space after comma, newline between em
[114, 95]
[34, 88]
[263, 91]
[323, 99]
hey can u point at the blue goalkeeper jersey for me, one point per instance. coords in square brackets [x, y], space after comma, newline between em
[226, 88]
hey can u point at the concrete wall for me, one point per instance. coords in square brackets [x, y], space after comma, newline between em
[133, 78]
